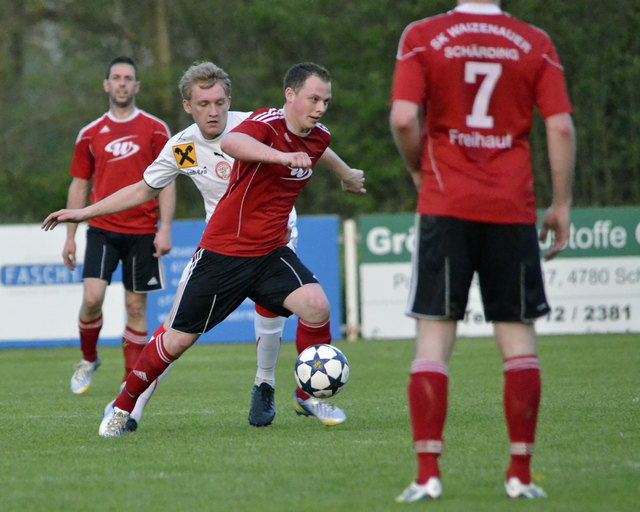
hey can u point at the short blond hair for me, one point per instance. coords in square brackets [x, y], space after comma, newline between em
[205, 75]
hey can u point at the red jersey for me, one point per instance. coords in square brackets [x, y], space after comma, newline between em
[114, 154]
[478, 73]
[251, 217]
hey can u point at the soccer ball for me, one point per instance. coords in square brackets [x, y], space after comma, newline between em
[321, 371]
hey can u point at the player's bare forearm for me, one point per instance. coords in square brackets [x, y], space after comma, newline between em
[561, 144]
[247, 149]
[352, 180]
[167, 208]
[123, 199]
[561, 148]
[77, 197]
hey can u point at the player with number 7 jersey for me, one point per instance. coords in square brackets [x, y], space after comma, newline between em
[464, 90]
[479, 78]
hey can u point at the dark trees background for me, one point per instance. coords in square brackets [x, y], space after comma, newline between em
[53, 55]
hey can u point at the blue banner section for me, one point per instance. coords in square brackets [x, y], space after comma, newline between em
[39, 275]
[318, 248]
[45, 275]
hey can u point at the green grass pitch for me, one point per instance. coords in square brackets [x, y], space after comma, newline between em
[195, 451]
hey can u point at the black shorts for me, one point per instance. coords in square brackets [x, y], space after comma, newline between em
[505, 256]
[142, 272]
[214, 285]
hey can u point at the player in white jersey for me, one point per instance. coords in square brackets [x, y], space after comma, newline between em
[201, 159]
[195, 152]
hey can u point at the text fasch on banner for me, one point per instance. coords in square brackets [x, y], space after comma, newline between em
[33, 278]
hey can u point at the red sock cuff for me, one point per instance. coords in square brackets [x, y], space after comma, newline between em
[309, 334]
[264, 312]
[93, 324]
[139, 337]
[424, 365]
[519, 363]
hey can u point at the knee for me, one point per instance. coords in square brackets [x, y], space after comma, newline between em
[136, 309]
[318, 308]
[91, 305]
[176, 343]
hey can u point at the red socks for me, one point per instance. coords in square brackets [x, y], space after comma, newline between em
[309, 334]
[428, 409]
[133, 343]
[89, 333]
[153, 360]
[427, 391]
[521, 400]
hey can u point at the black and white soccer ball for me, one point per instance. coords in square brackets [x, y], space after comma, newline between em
[321, 371]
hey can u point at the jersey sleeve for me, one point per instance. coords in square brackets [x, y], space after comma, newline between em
[551, 90]
[259, 130]
[82, 163]
[409, 77]
[163, 170]
[160, 137]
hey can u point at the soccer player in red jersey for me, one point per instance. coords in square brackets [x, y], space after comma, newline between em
[113, 152]
[206, 90]
[464, 91]
[243, 250]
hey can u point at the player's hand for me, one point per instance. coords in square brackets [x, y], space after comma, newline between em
[298, 160]
[354, 183]
[557, 220]
[162, 243]
[69, 254]
[65, 215]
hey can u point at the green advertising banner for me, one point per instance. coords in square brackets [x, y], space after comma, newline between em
[592, 286]
[595, 232]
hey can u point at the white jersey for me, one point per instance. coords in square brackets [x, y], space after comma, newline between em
[202, 160]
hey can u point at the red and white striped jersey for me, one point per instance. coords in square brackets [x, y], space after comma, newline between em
[251, 218]
[478, 73]
[113, 154]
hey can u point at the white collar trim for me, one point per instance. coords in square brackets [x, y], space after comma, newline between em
[135, 112]
[476, 8]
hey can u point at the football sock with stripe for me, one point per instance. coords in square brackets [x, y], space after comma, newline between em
[133, 343]
[427, 390]
[89, 333]
[521, 399]
[153, 360]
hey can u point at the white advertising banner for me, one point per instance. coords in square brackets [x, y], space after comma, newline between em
[39, 297]
[592, 287]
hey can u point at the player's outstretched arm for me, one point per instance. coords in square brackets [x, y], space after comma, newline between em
[247, 149]
[123, 199]
[352, 180]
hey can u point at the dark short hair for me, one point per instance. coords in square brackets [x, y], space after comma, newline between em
[298, 74]
[123, 59]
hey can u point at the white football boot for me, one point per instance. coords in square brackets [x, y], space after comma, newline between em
[432, 490]
[81, 378]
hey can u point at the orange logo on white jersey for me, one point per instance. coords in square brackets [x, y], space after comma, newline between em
[185, 155]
